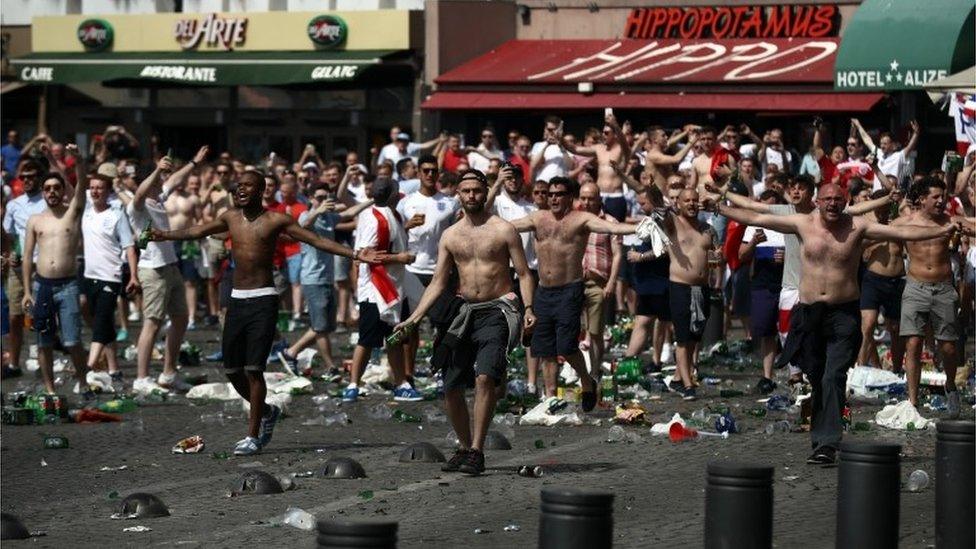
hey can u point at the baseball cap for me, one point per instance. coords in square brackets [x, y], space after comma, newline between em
[403, 136]
[310, 166]
[107, 171]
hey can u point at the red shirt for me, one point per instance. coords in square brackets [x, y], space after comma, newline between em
[827, 169]
[287, 246]
[523, 163]
[16, 187]
[453, 159]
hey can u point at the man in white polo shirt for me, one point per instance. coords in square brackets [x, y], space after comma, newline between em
[162, 285]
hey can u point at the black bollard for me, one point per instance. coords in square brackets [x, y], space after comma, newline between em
[348, 534]
[575, 519]
[739, 506]
[868, 495]
[954, 484]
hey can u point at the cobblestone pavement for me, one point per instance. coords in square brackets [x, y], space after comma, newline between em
[659, 486]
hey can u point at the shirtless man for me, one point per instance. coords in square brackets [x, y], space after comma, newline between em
[688, 288]
[825, 327]
[53, 296]
[474, 352]
[561, 234]
[930, 298]
[185, 209]
[661, 165]
[881, 289]
[614, 149]
[701, 166]
[249, 328]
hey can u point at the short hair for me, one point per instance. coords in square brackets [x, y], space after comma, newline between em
[654, 194]
[553, 119]
[383, 189]
[333, 166]
[922, 187]
[33, 165]
[53, 175]
[402, 164]
[654, 128]
[856, 185]
[260, 176]
[882, 135]
[805, 180]
[427, 159]
[225, 164]
[472, 173]
[781, 178]
[709, 129]
[448, 179]
[570, 185]
[770, 193]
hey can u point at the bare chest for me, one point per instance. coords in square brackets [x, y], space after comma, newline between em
[820, 245]
[476, 245]
[552, 232]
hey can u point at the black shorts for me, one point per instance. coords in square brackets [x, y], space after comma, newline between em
[372, 330]
[679, 296]
[483, 351]
[615, 207]
[557, 326]
[249, 332]
[657, 306]
[879, 292]
[102, 297]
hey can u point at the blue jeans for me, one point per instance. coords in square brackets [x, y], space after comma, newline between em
[65, 305]
[293, 266]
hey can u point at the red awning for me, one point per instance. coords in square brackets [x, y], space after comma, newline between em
[661, 61]
[773, 102]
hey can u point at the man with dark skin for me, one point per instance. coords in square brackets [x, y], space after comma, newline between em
[480, 247]
[825, 332]
[930, 298]
[249, 328]
[561, 234]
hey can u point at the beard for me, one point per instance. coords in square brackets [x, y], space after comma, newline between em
[473, 208]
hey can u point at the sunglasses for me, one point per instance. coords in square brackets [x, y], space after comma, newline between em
[428, 170]
[558, 194]
[321, 197]
[223, 172]
[540, 192]
[32, 175]
[486, 135]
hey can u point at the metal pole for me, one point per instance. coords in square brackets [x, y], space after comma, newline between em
[738, 506]
[868, 495]
[955, 484]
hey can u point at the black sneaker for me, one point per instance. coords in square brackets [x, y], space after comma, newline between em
[652, 368]
[588, 398]
[825, 455]
[676, 386]
[9, 371]
[688, 393]
[765, 386]
[452, 464]
[473, 463]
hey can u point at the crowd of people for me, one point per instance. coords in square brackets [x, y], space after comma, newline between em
[819, 255]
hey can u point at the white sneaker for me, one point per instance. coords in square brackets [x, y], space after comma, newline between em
[173, 382]
[247, 447]
[667, 355]
[134, 316]
[146, 386]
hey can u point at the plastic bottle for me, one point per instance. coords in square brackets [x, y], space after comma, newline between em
[405, 417]
[299, 518]
[118, 406]
[918, 480]
[607, 393]
[781, 426]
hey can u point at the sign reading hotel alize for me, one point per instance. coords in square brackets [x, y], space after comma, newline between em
[653, 61]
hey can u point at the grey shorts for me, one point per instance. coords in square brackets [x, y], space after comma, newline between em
[934, 303]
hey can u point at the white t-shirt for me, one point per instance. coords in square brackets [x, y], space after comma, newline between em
[106, 235]
[553, 161]
[892, 164]
[408, 186]
[510, 210]
[156, 254]
[358, 192]
[392, 153]
[440, 211]
[366, 233]
[480, 163]
[781, 159]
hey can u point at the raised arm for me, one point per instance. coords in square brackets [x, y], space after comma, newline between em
[781, 223]
[150, 185]
[618, 131]
[353, 211]
[81, 190]
[913, 140]
[743, 202]
[602, 226]
[862, 208]
[864, 135]
[898, 231]
[301, 234]
[628, 180]
[676, 158]
[493, 191]
[179, 176]
[425, 145]
[524, 224]
[194, 232]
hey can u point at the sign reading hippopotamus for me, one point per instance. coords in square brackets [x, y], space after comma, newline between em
[652, 61]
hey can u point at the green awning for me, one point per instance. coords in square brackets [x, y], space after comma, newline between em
[194, 68]
[904, 44]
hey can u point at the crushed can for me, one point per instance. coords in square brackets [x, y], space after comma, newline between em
[55, 443]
